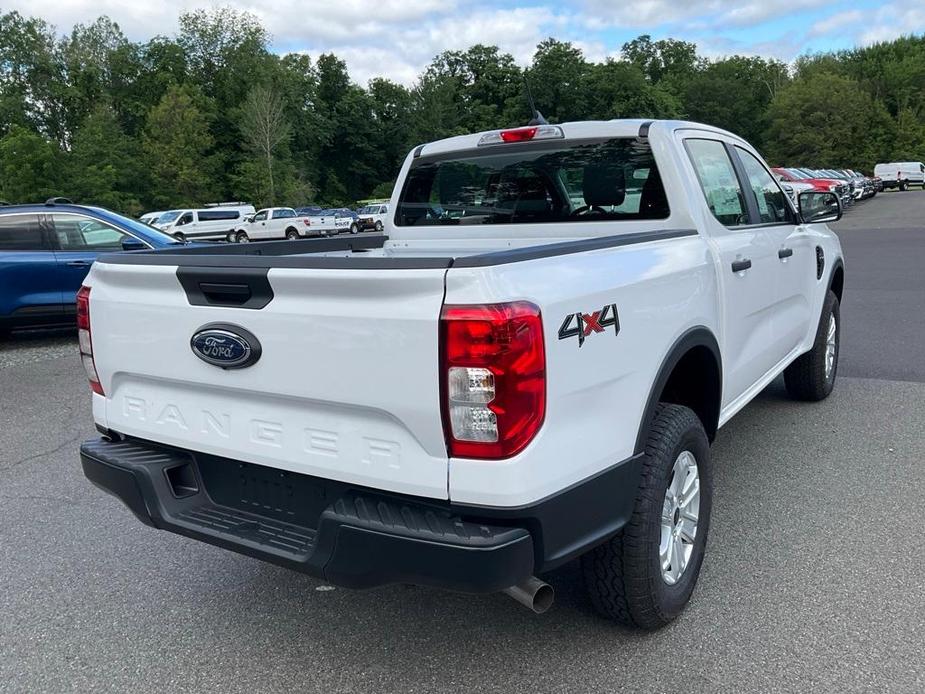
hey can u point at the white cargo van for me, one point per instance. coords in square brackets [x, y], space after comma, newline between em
[210, 223]
[901, 174]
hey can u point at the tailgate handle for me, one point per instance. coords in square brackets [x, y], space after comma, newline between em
[225, 294]
[225, 286]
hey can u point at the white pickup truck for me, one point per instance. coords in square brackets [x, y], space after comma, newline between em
[528, 370]
[280, 223]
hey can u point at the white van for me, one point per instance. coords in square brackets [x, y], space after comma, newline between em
[901, 174]
[373, 216]
[210, 223]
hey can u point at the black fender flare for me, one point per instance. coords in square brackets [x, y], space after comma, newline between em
[698, 336]
[836, 266]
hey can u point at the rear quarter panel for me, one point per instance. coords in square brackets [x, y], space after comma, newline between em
[596, 392]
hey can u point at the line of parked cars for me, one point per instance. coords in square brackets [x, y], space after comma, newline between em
[240, 223]
[850, 185]
[847, 184]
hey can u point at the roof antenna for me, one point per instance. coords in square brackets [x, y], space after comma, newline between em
[537, 117]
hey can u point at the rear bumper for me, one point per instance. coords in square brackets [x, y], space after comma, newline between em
[346, 536]
[354, 536]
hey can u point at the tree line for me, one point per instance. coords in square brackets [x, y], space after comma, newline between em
[212, 114]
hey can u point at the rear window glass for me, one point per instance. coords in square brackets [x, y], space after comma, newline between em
[20, 232]
[535, 183]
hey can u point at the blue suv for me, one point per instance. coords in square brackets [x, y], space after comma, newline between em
[47, 250]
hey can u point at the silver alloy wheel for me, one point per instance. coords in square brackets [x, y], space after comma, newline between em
[680, 513]
[831, 347]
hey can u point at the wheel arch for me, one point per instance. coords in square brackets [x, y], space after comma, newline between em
[691, 374]
[837, 279]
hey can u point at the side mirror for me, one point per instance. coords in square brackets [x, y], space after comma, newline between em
[819, 208]
[130, 243]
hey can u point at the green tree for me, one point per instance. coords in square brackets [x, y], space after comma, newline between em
[734, 93]
[176, 144]
[104, 165]
[830, 121]
[558, 80]
[618, 89]
[266, 132]
[30, 166]
[667, 59]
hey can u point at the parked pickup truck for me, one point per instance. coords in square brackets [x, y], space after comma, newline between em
[529, 370]
[278, 223]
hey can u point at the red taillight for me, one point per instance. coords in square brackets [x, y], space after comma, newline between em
[518, 134]
[84, 339]
[493, 377]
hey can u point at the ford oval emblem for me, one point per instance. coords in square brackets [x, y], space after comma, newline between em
[227, 346]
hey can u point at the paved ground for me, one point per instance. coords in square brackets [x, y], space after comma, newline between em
[814, 580]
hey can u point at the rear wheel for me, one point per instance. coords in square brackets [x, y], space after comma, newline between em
[645, 575]
[241, 237]
[292, 234]
[812, 375]
[354, 228]
[378, 226]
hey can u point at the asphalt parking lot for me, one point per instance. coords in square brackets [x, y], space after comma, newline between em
[814, 579]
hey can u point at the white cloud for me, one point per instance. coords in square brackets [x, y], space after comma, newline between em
[398, 38]
[892, 21]
[836, 23]
[706, 14]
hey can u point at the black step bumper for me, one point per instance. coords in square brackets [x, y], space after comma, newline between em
[345, 535]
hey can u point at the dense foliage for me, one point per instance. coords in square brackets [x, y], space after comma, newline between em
[212, 114]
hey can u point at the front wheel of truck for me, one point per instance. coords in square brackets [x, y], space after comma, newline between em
[645, 575]
[811, 376]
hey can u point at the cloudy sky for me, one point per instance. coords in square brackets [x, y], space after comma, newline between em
[397, 38]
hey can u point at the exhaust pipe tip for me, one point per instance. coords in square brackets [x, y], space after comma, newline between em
[533, 593]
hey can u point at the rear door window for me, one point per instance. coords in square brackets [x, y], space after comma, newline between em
[718, 181]
[20, 232]
[535, 183]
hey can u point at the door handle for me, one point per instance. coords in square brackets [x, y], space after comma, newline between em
[741, 265]
[784, 253]
[77, 263]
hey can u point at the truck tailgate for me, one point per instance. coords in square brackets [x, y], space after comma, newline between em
[346, 386]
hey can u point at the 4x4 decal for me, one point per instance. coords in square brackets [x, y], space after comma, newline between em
[584, 325]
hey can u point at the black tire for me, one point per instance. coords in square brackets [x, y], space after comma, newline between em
[379, 226]
[241, 237]
[354, 228]
[180, 236]
[902, 186]
[806, 377]
[623, 576]
[292, 234]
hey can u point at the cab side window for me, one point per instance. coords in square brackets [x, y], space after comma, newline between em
[185, 219]
[718, 181]
[260, 216]
[20, 232]
[773, 207]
